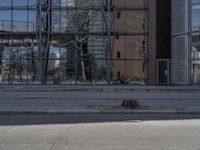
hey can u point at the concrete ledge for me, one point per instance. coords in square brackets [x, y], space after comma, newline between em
[58, 112]
[96, 88]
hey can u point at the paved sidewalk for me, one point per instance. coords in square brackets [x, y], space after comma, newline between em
[64, 100]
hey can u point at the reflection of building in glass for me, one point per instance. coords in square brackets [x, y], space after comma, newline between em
[130, 48]
[81, 41]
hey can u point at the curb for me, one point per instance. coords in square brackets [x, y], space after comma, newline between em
[58, 112]
[100, 90]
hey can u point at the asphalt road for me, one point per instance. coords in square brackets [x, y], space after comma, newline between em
[100, 132]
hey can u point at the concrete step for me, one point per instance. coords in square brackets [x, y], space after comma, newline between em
[96, 88]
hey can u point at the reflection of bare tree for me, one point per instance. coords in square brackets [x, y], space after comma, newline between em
[80, 23]
[1, 54]
[1, 62]
[196, 72]
[32, 54]
[24, 58]
[139, 45]
[19, 61]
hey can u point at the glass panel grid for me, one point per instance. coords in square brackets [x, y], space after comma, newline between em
[72, 41]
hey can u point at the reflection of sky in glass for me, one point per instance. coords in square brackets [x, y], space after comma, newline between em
[196, 16]
[18, 15]
[20, 3]
[17, 2]
[195, 1]
[5, 2]
[22, 15]
[5, 15]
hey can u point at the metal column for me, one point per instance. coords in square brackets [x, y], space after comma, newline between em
[43, 32]
[108, 14]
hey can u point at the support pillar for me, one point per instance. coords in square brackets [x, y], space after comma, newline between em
[151, 54]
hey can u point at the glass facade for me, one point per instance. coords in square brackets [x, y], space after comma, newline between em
[73, 41]
[186, 41]
[195, 41]
[180, 42]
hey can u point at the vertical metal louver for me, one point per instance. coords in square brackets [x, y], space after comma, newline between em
[179, 63]
[179, 59]
[179, 16]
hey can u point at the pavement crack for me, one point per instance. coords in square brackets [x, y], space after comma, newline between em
[6, 130]
[56, 143]
[53, 146]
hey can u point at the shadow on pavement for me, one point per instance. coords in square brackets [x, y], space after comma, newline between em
[88, 118]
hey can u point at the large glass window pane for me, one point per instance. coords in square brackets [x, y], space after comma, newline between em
[31, 45]
[129, 47]
[21, 3]
[195, 1]
[97, 3]
[6, 75]
[56, 21]
[84, 3]
[71, 24]
[19, 21]
[97, 47]
[32, 2]
[56, 3]
[196, 42]
[33, 74]
[5, 20]
[130, 3]
[130, 21]
[19, 71]
[196, 45]
[63, 21]
[5, 46]
[195, 18]
[196, 71]
[6, 3]
[99, 72]
[129, 71]
[32, 21]
[67, 47]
